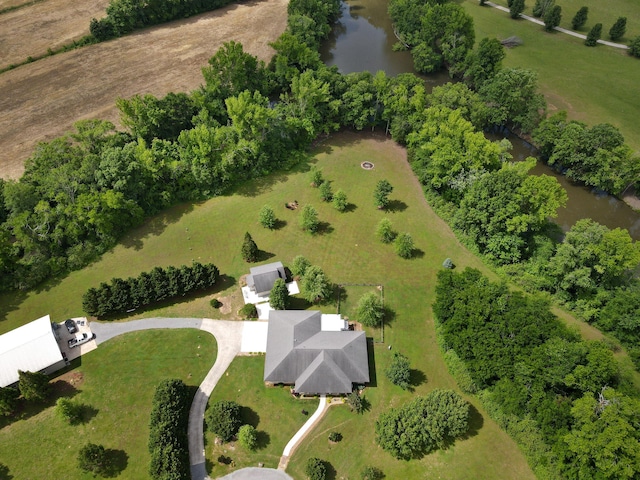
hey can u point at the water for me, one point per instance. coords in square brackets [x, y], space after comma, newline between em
[362, 39]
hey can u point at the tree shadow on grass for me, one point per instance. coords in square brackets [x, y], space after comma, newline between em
[331, 471]
[249, 416]
[263, 439]
[324, 228]
[117, 461]
[11, 301]
[263, 256]
[156, 225]
[476, 421]
[389, 315]
[395, 206]
[279, 224]
[86, 413]
[259, 186]
[350, 207]
[416, 378]
[297, 303]
[4, 473]
[417, 253]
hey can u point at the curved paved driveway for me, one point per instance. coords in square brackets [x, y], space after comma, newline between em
[228, 335]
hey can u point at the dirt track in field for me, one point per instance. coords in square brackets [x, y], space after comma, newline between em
[42, 100]
[30, 31]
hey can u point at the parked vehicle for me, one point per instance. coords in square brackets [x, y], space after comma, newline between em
[71, 325]
[79, 339]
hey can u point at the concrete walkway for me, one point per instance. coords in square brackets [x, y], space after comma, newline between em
[560, 29]
[228, 335]
[254, 473]
[300, 434]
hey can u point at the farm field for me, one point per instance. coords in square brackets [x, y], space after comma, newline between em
[117, 382]
[349, 253]
[594, 85]
[42, 100]
[31, 30]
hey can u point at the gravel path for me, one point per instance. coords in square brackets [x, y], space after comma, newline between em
[560, 29]
[228, 335]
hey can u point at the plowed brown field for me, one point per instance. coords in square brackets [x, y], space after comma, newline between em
[30, 31]
[42, 100]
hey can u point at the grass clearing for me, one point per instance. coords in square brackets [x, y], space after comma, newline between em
[349, 252]
[595, 85]
[274, 413]
[117, 381]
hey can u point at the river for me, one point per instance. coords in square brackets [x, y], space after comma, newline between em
[362, 39]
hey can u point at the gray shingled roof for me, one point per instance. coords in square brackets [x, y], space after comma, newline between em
[316, 362]
[262, 278]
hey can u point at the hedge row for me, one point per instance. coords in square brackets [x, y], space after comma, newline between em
[168, 437]
[149, 287]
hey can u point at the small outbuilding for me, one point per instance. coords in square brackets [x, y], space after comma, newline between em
[313, 360]
[31, 347]
[261, 279]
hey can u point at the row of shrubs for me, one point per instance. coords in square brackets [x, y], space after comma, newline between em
[159, 284]
[168, 438]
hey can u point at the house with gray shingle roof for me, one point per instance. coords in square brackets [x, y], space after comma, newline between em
[261, 279]
[313, 360]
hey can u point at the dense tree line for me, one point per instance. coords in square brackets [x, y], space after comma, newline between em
[560, 397]
[168, 438]
[121, 295]
[125, 16]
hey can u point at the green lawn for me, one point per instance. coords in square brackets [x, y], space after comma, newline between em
[349, 253]
[117, 381]
[275, 414]
[595, 85]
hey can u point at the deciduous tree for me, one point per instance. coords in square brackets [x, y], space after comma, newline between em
[399, 372]
[93, 458]
[381, 193]
[268, 217]
[384, 231]
[340, 201]
[299, 266]
[8, 400]
[315, 285]
[309, 219]
[223, 419]
[404, 245]
[370, 311]
[326, 193]
[34, 386]
[248, 437]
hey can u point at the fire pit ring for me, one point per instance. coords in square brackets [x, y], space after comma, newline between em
[367, 165]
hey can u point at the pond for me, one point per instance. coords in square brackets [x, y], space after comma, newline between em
[362, 39]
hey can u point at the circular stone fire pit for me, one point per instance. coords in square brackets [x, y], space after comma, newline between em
[367, 165]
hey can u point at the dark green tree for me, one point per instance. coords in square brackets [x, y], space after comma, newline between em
[617, 31]
[594, 35]
[8, 400]
[248, 437]
[249, 249]
[385, 232]
[326, 193]
[552, 18]
[356, 402]
[541, 6]
[399, 372]
[340, 201]
[381, 193]
[370, 311]
[34, 386]
[268, 217]
[309, 219]
[315, 285]
[315, 469]
[580, 18]
[93, 458]
[279, 296]
[223, 419]
[634, 47]
[404, 245]
[483, 63]
[516, 8]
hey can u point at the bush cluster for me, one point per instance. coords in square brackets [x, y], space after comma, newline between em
[168, 439]
[121, 295]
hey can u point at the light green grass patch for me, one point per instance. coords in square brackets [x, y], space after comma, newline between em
[118, 381]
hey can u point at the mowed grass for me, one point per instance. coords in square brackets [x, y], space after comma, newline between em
[599, 12]
[349, 253]
[273, 412]
[117, 381]
[594, 84]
